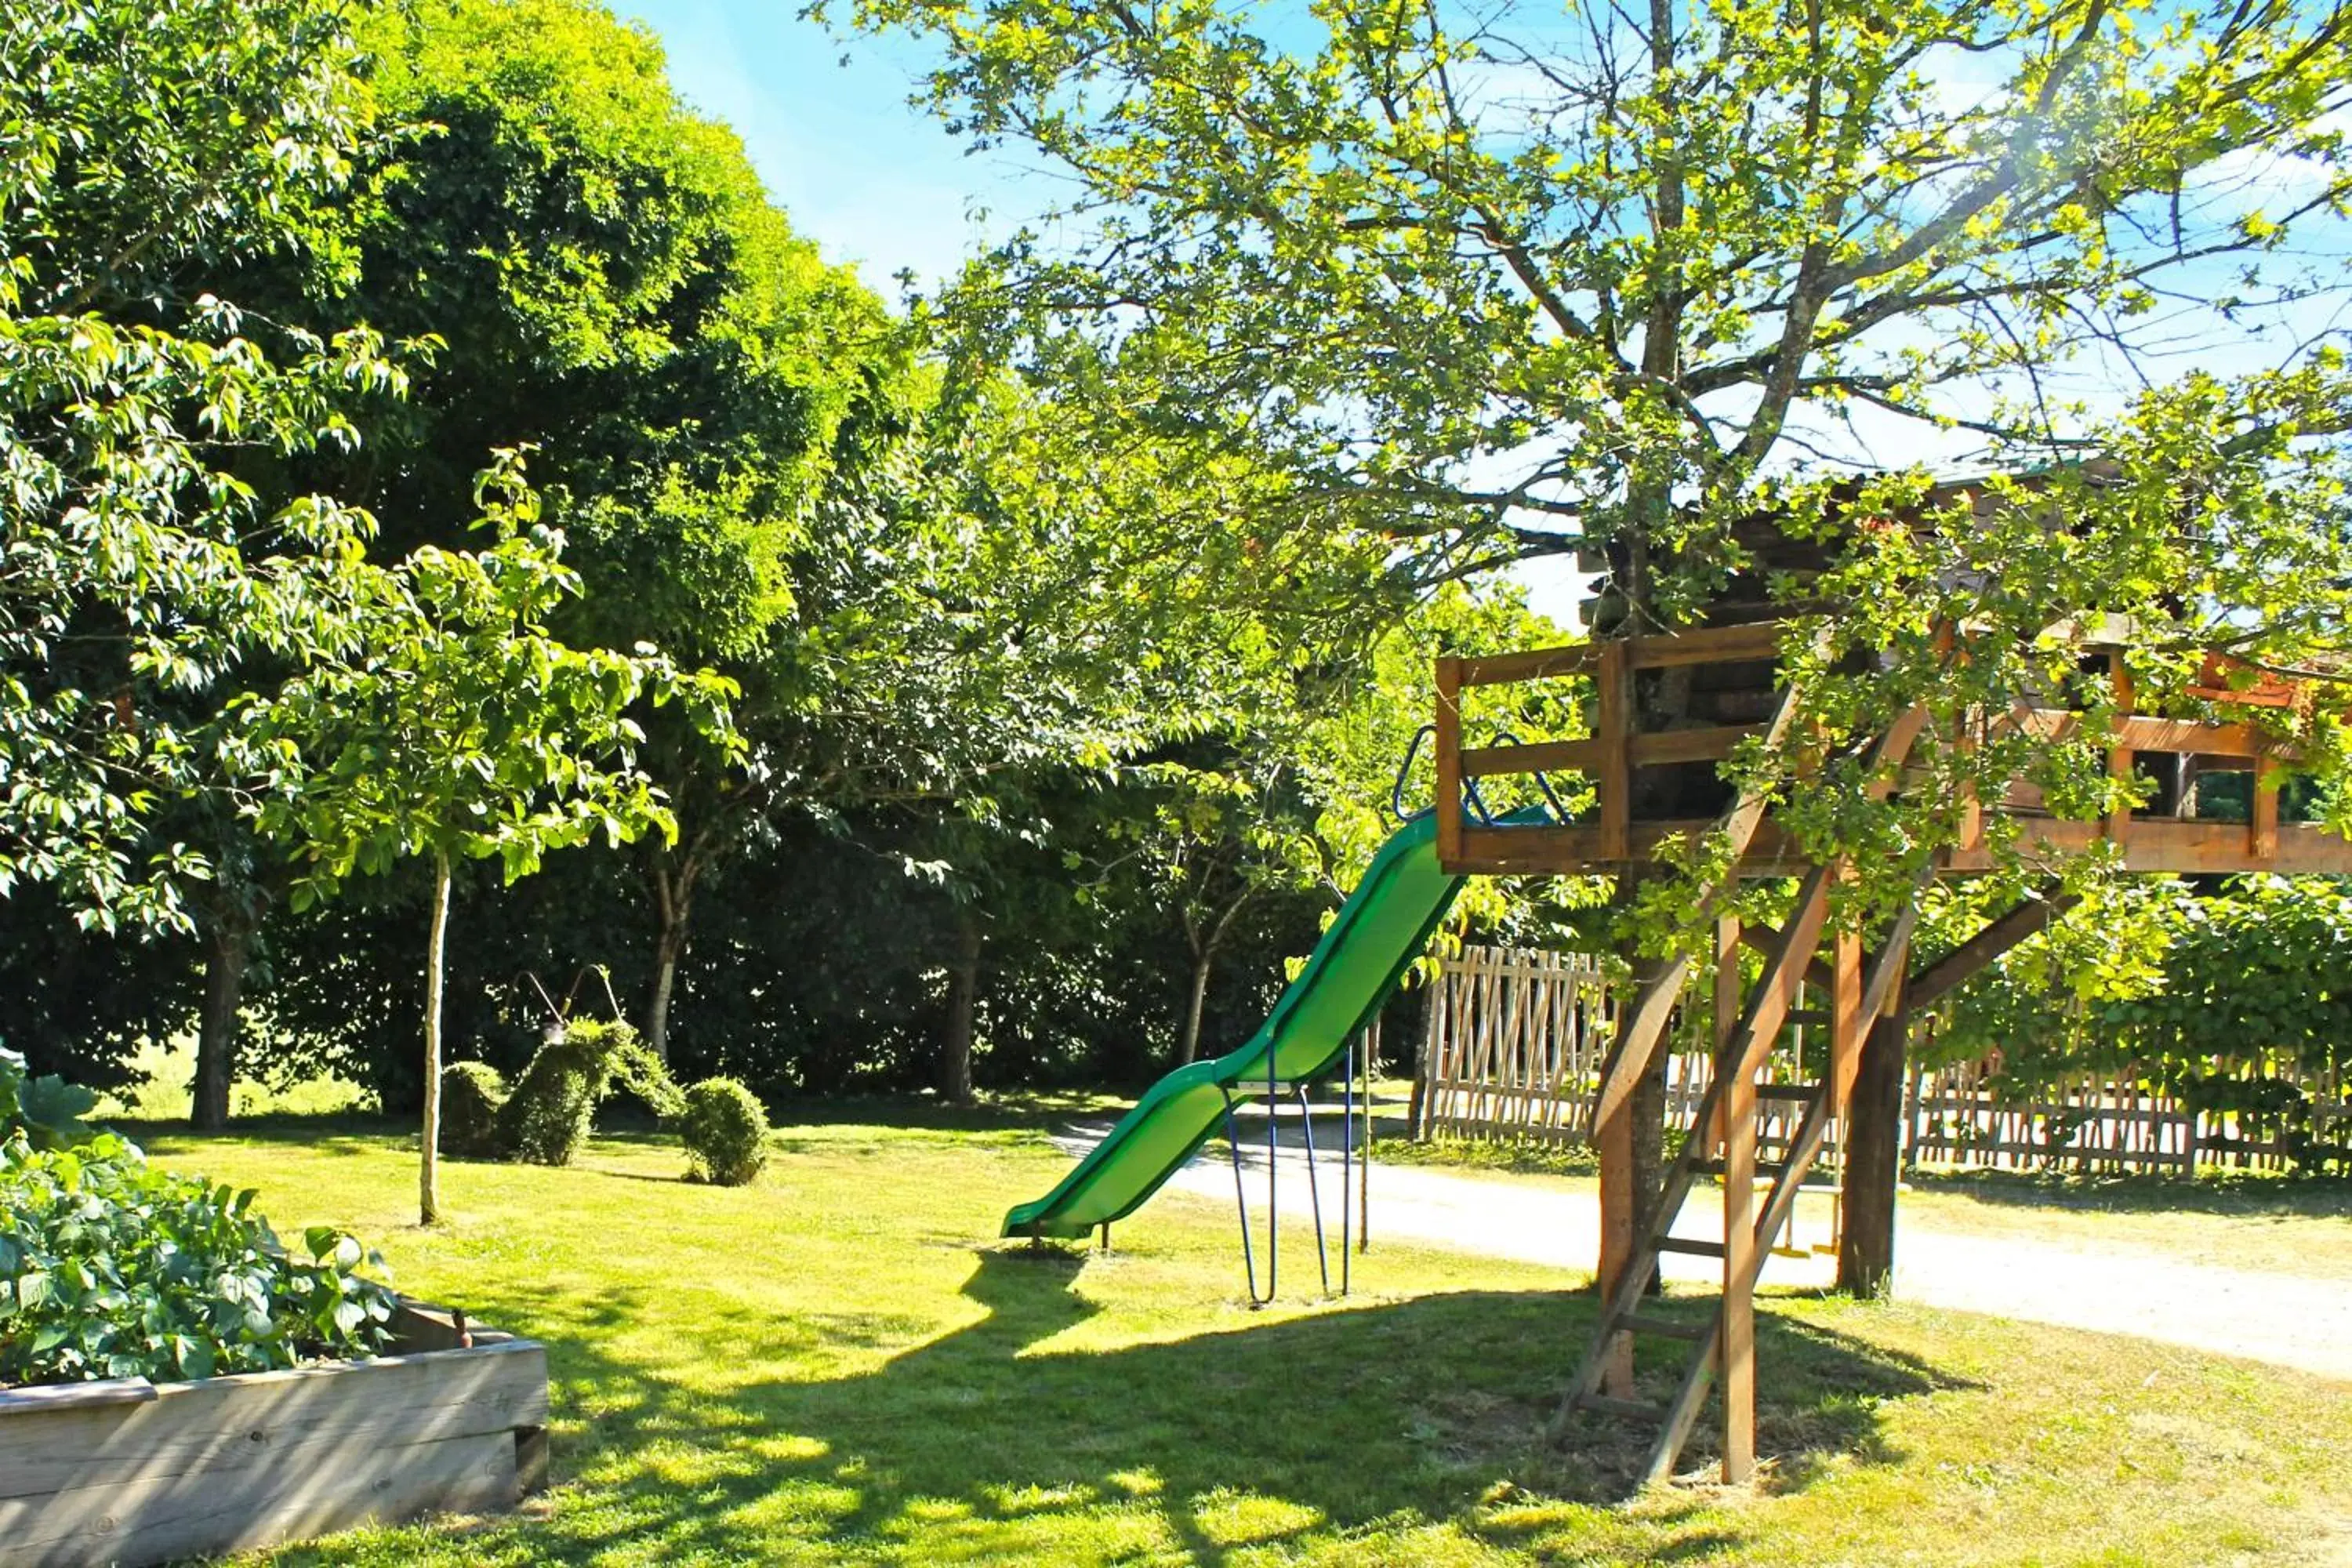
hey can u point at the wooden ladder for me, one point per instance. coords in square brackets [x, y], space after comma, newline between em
[1726, 1116]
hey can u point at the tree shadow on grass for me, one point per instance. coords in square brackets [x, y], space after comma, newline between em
[992, 1441]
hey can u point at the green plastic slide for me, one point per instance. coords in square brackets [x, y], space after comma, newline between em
[1376, 936]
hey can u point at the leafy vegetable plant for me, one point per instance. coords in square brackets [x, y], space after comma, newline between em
[46, 1110]
[110, 1267]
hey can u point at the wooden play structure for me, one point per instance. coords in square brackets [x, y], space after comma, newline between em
[1731, 691]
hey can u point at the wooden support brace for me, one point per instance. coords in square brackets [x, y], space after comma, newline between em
[1931, 983]
[1761, 938]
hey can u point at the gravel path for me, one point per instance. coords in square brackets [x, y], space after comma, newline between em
[2280, 1317]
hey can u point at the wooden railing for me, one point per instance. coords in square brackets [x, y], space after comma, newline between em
[1614, 837]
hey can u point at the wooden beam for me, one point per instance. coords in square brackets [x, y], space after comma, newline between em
[1761, 939]
[2120, 756]
[2263, 815]
[1730, 935]
[1717, 645]
[1535, 664]
[1619, 1213]
[1536, 756]
[1736, 1328]
[1932, 983]
[2158, 843]
[1710, 744]
[2143, 733]
[1614, 779]
[1448, 798]
[1846, 1020]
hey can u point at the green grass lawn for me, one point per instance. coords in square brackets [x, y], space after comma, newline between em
[842, 1364]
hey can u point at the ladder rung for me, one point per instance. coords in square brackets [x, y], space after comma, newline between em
[1690, 1245]
[1796, 1091]
[1634, 1407]
[1769, 1168]
[1665, 1328]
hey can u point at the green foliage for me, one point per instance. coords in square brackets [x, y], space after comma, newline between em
[1468, 287]
[143, 570]
[112, 1268]
[2203, 995]
[726, 1132]
[465, 730]
[45, 1111]
[472, 1095]
[552, 1106]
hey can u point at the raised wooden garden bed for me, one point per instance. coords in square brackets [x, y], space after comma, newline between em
[132, 1472]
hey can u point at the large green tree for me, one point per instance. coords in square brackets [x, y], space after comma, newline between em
[147, 152]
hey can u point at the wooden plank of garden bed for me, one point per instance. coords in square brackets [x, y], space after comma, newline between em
[223, 1424]
[312, 1489]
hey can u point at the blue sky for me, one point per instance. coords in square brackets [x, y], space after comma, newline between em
[872, 179]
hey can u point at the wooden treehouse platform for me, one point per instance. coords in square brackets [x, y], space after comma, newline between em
[1730, 668]
[1644, 780]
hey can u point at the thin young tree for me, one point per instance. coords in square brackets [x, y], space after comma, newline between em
[466, 732]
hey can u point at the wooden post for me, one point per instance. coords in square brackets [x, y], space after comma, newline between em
[1972, 823]
[2263, 818]
[1448, 740]
[2120, 757]
[1736, 1341]
[1728, 989]
[1873, 1153]
[1613, 1138]
[1846, 1022]
[1614, 727]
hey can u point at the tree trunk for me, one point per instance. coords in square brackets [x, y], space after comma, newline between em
[674, 903]
[1873, 1160]
[964, 992]
[1195, 1003]
[428, 1171]
[666, 952]
[228, 953]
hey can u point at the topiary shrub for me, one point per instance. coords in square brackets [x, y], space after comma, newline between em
[471, 1096]
[547, 1116]
[726, 1131]
[111, 1267]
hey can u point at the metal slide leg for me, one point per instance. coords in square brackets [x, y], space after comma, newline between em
[1364, 1171]
[1315, 1192]
[1273, 1178]
[1240, 1204]
[1347, 1159]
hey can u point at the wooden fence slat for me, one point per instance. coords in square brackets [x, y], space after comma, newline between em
[1517, 1039]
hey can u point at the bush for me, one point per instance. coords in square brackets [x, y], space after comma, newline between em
[46, 1112]
[726, 1130]
[111, 1267]
[548, 1116]
[471, 1096]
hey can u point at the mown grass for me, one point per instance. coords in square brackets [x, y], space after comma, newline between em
[841, 1365]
